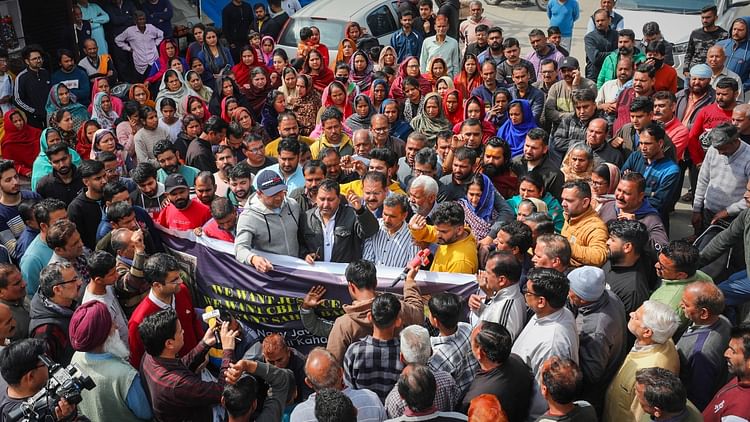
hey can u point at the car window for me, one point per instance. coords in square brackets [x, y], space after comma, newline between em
[381, 22]
[331, 31]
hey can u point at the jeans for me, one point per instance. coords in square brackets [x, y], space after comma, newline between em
[566, 42]
[736, 291]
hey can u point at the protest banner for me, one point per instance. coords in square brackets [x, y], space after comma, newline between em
[270, 302]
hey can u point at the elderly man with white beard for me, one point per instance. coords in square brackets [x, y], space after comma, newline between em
[101, 354]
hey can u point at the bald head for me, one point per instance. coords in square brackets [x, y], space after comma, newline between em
[715, 58]
[741, 118]
[596, 133]
[702, 302]
[322, 370]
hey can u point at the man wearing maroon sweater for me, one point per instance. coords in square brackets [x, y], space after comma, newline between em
[167, 292]
[711, 116]
[732, 402]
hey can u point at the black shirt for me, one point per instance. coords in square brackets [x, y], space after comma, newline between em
[510, 382]
[200, 156]
[86, 213]
[269, 161]
[51, 186]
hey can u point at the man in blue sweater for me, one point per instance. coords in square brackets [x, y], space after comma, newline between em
[73, 76]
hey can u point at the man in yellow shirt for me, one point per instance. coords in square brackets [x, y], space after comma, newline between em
[382, 161]
[288, 128]
[457, 248]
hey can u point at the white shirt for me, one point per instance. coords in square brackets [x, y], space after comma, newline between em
[328, 238]
[609, 92]
[173, 130]
[115, 310]
[158, 301]
[6, 89]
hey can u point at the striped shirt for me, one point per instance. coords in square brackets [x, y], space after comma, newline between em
[390, 250]
[507, 308]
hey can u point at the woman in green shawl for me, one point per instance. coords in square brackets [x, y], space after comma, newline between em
[60, 98]
[42, 165]
[431, 118]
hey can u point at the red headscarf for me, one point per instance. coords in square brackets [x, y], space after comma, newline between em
[328, 101]
[191, 98]
[488, 129]
[20, 145]
[242, 71]
[463, 82]
[224, 114]
[163, 61]
[323, 78]
[397, 91]
[457, 116]
[83, 146]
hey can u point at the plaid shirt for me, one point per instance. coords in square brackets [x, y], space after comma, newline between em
[453, 354]
[446, 396]
[373, 364]
[176, 392]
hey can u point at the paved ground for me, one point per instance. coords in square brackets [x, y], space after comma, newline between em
[517, 18]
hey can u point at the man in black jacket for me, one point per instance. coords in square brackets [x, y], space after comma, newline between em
[278, 18]
[536, 159]
[599, 43]
[86, 209]
[32, 86]
[65, 181]
[236, 18]
[199, 153]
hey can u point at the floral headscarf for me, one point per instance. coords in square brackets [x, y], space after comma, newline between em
[77, 111]
[362, 79]
[105, 119]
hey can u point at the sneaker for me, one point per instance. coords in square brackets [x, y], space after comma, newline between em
[688, 197]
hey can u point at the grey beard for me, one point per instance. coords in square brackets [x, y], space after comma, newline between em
[115, 346]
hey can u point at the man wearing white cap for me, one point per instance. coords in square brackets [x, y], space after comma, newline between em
[600, 323]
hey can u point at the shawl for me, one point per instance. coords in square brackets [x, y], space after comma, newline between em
[256, 97]
[77, 111]
[116, 102]
[463, 82]
[400, 128]
[457, 116]
[449, 82]
[267, 57]
[514, 135]
[149, 101]
[105, 119]
[224, 113]
[429, 75]
[499, 119]
[42, 165]
[288, 93]
[380, 65]
[486, 204]
[255, 128]
[569, 172]
[328, 101]
[20, 145]
[269, 116]
[215, 64]
[397, 91]
[161, 64]
[320, 81]
[488, 129]
[362, 79]
[186, 106]
[340, 54]
[371, 93]
[355, 121]
[614, 179]
[306, 108]
[177, 96]
[430, 126]
[214, 105]
[204, 92]
[83, 146]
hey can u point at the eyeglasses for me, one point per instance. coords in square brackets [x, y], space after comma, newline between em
[72, 280]
[527, 293]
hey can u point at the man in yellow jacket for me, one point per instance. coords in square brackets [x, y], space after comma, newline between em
[585, 231]
[457, 248]
[288, 128]
[333, 135]
[382, 160]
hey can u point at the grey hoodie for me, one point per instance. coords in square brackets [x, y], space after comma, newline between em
[262, 229]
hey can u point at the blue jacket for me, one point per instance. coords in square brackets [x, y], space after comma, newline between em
[79, 75]
[738, 54]
[662, 179]
[406, 45]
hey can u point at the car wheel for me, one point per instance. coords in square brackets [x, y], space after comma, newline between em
[542, 4]
[493, 2]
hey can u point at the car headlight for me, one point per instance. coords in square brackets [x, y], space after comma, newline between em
[680, 48]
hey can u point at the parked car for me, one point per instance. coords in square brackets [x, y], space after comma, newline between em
[379, 18]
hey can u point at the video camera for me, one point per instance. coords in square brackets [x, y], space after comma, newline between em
[64, 383]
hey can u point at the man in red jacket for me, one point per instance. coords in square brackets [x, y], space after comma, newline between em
[167, 291]
[711, 116]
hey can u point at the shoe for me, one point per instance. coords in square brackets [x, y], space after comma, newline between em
[688, 197]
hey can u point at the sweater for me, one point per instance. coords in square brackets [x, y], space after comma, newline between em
[86, 213]
[706, 119]
[722, 181]
[621, 402]
[588, 236]
[662, 177]
[699, 43]
[563, 15]
[731, 400]
[736, 234]
[456, 257]
[670, 292]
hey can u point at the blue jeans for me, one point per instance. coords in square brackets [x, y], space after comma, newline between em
[736, 291]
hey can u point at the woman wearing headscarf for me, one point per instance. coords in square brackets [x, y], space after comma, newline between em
[63, 122]
[167, 50]
[225, 87]
[399, 127]
[42, 166]
[363, 111]
[409, 67]
[321, 75]
[604, 181]
[249, 126]
[445, 84]
[478, 205]
[248, 61]
[228, 105]
[431, 119]
[360, 70]
[85, 137]
[274, 105]
[334, 95]
[520, 122]
[140, 94]
[469, 77]
[307, 104]
[60, 98]
[578, 163]
[214, 56]
[102, 85]
[387, 58]
[498, 113]
[103, 112]
[288, 85]
[196, 83]
[474, 109]
[19, 141]
[452, 102]
[207, 77]
[173, 86]
[436, 69]
[257, 93]
[266, 50]
[195, 106]
[378, 92]
[128, 126]
[346, 50]
[104, 141]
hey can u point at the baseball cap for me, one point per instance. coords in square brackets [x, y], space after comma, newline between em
[270, 183]
[569, 63]
[175, 181]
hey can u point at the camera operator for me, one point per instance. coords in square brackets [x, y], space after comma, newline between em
[25, 375]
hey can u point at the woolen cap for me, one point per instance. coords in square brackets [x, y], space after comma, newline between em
[587, 283]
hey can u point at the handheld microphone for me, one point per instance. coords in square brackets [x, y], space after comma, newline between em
[422, 258]
[210, 316]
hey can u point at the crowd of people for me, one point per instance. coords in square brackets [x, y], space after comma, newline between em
[551, 182]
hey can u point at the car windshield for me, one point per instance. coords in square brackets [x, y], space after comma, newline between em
[682, 6]
[331, 31]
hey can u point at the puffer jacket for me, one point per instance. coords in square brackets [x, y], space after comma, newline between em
[50, 322]
[587, 235]
[738, 54]
[261, 229]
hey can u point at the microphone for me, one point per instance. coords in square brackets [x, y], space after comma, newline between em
[210, 316]
[422, 258]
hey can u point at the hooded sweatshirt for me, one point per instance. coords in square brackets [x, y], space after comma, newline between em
[49, 322]
[262, 229]
[738, 54]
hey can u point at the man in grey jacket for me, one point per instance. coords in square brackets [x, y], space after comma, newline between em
[601, 331]
[271, 223]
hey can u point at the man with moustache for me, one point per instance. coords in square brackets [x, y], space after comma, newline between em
[625, 47]
[240, 184]
[732, 402]
[314, 172]
[711, 116]
[65, 181]
[225, 159]
[205, 188]
[495, 50]
[374, 192]
[572, 127]
[496, 165]
[182, 213]
[169, 163]
[392, 245]
[599, 42]
[665, 105]
[716, 59]
[606, 97]
[596, 138]
[703, 38]
[536, 159]
[101, 354]
[741, 120]
[13, 298]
